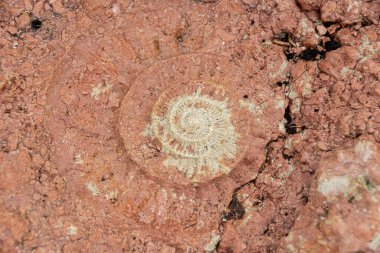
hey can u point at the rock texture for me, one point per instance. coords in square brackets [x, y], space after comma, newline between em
[189, 126]
[342, 212]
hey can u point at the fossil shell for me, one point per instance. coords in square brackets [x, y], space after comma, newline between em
[184, 129]
[195, 130]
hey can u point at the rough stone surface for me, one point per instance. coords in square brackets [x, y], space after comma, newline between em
[343, 203]
[189, 126]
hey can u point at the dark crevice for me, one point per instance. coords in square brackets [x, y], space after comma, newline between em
[328, 24]
[309, 54]
[283, 83]
[236, 210]
[305, 199]
[366, 22]
[35, 24]
[332, 45]
[290, 127]
[288, 115]
[355, 135]
[287, 157]
[282, 36]
[289, 55]
[299, 6]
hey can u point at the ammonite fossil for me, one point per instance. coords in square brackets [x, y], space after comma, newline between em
[195, 129]
[188, 130]
[174, 140]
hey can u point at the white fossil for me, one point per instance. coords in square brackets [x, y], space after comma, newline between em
[195, 131]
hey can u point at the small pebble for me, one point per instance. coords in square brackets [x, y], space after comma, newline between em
[23, 20]
[322, 30]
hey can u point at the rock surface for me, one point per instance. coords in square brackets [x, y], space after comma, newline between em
[189, 126]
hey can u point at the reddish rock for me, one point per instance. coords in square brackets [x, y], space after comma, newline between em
[231, 240]
[309, 5]
[341, 215]
[189, 126]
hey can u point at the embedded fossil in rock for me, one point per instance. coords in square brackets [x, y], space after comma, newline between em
[179, 111]
[187, 125]
[195, 130]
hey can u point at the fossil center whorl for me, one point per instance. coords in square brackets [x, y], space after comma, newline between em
[192, 124]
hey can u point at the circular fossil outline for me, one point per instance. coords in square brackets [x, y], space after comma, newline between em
[173, 75]
[190, 120]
